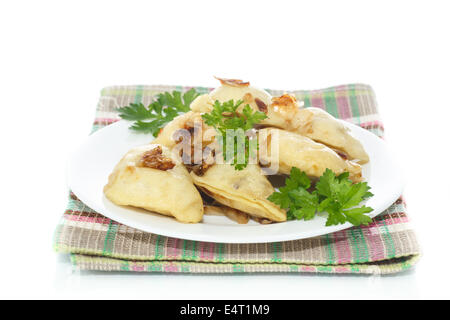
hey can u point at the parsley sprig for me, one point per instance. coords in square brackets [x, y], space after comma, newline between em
[225, 118]
[155, 116]
[336, 195]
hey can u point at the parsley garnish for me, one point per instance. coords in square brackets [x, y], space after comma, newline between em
[336, 195]
[225, 117]
[156, 115]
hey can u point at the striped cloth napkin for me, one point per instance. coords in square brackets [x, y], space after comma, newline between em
[387, 245]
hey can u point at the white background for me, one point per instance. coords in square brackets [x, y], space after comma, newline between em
[56, 56]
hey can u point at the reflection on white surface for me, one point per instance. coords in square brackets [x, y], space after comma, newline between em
[90, 284]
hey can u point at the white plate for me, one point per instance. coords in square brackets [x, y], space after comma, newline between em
[94, 160]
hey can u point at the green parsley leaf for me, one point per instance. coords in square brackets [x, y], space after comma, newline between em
[282, 199]
[225, 117]
[305, 203]
[297, 179]
[152, 127]
[135, 111]
[341, 195]
[154, 117]
[336, 195]
[327, 184]
[357, 216]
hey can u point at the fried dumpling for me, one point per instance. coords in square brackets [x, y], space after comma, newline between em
[295, 150]
[233, 89]
[245, 190]
[282, 112]
[322, 127]
[152, 178]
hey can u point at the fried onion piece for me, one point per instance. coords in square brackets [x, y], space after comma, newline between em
[233, 82]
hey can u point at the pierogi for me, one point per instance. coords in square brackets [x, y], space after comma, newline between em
[294, 150]
[322, 127]
[246, 190]
[153, 178]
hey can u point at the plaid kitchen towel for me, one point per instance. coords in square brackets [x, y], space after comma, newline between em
[387, 245]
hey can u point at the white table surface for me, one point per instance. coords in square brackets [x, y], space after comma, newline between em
[58, 56]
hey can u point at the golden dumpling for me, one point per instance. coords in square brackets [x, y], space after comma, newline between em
[152, 178]
[295, 150]
[245, 190]
[282, 112]
[233, 89]
[322, 127]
